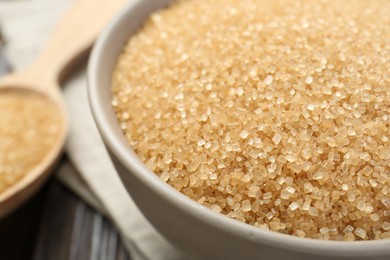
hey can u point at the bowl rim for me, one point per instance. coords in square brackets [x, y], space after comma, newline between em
[127, 157]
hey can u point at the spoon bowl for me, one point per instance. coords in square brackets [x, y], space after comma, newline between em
[78, 29]
[18, 192]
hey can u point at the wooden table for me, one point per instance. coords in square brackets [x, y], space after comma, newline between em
[54, 225]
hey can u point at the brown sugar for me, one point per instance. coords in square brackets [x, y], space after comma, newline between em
[274, 113]
[29, 127]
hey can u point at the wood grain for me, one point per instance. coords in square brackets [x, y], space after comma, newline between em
[56, 224]
[19, 230]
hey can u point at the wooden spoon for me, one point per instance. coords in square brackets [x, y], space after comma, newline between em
[73, 37]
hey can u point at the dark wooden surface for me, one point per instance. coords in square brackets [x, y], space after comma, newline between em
[56, 224]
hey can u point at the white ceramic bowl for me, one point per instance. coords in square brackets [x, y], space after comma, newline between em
[197, 230]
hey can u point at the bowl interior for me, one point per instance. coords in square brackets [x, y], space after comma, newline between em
[102, 62]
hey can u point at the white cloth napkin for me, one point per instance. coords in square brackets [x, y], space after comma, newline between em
[26, 25]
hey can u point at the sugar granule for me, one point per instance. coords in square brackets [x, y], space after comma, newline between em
[275, 113]
[30, 125]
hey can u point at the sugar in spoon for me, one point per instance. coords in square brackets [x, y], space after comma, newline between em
[33, 121]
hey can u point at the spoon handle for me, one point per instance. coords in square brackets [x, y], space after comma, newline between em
[73, 36]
